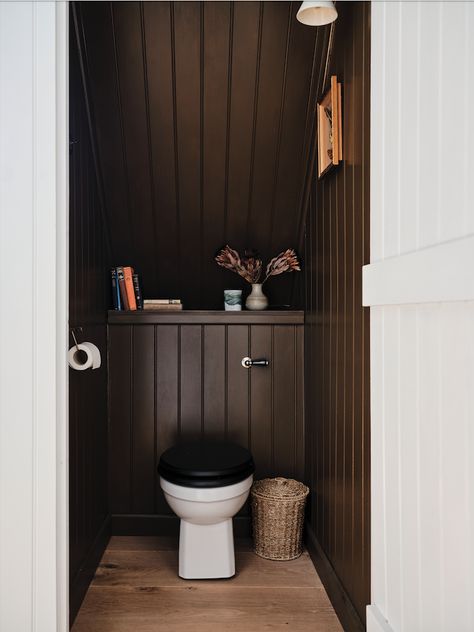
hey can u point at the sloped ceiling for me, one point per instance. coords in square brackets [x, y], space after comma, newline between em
[202, 116]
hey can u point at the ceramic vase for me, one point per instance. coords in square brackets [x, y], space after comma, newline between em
[256, 299]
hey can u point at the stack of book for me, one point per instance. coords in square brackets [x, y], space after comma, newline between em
[126, 290]
[163, 304]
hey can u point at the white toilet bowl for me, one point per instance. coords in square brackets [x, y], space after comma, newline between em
[206, 541]
[205, 484]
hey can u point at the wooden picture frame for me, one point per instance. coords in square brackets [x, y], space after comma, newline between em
[329, 126]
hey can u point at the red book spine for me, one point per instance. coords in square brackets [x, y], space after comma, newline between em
[128, 275]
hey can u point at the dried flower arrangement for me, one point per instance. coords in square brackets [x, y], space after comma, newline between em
[250, 265]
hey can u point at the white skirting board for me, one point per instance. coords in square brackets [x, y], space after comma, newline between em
[376, 621]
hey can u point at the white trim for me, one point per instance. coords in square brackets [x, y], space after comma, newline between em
[43, 219]
[62, 315]
[375, 620]
[444, 272]
[33, 318]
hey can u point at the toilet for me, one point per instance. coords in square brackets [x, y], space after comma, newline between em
[206, 483]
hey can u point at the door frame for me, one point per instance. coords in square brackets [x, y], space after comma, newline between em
[34, 253]
[62, 307]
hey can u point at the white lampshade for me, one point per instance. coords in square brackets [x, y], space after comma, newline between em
[317, 13]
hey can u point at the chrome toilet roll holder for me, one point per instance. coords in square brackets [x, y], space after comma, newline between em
[83, 355]
[73, 334]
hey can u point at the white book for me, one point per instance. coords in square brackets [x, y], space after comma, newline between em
[162, 301]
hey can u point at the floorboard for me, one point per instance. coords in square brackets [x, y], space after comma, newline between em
[137, 589]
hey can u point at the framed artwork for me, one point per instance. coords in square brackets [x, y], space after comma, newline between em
[329, 117]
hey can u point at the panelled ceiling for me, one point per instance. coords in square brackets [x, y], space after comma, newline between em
[202, 117]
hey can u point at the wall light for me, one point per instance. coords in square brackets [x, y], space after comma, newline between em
[317, 13]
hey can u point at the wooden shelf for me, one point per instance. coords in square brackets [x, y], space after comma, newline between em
[207, 317]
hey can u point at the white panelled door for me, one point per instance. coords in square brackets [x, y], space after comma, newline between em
[420, 286]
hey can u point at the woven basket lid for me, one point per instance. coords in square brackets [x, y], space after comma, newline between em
[280, 489]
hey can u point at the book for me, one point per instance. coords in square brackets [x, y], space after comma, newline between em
[123, 291]
[162, 301]
[116, 300]
[127, 273]
[163, 308]
[138, 291]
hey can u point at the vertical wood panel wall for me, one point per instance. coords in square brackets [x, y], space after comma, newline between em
[201, 115]
[422, 352]
[172, 382]
[337, 333]
[88, 301]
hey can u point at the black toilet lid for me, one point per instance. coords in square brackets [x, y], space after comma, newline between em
[206, 464]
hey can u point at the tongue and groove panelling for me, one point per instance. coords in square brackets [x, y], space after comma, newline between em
[202, 118]
[88, 300]
[171, 382]
[337, 334]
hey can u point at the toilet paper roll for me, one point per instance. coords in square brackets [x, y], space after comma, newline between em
[85, 356]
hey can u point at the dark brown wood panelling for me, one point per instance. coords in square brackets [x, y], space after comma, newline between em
[238, 397]
[169, 382]
[143, 415]
[200, 113]
[167, 397]
[337, 333]
[88, 301]
[120, 410]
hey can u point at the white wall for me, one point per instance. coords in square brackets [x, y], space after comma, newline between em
[422, 316]
[33, 326]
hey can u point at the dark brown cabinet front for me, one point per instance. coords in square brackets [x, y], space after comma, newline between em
[173, 381]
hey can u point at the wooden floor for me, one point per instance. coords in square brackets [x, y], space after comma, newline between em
[137, 589]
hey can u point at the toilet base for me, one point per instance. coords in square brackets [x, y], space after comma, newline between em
[206, 551]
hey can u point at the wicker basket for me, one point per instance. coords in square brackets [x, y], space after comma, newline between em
[277, 517]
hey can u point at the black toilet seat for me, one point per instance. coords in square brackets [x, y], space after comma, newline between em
[206, 464]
